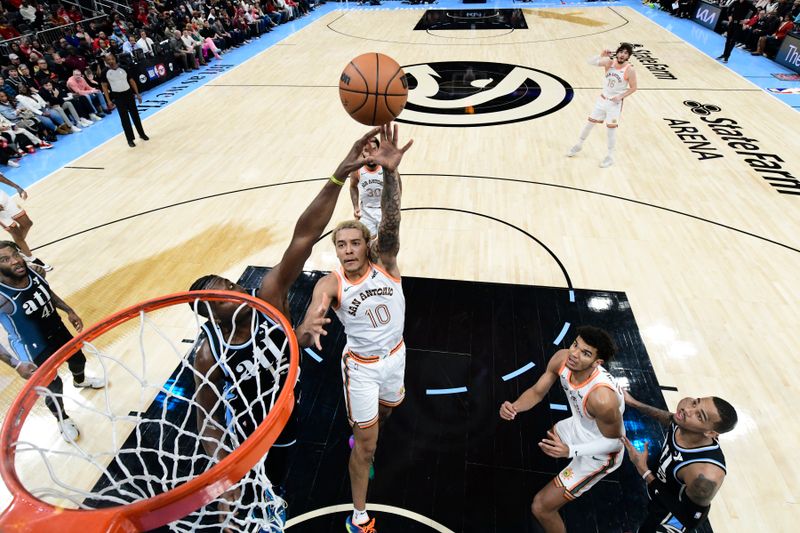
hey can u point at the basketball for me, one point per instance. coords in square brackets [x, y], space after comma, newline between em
[373, 89]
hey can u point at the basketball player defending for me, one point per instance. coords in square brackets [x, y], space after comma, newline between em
[618, 84]
[35, 331]
[591, 436]
[16, 222]
[366, 186]
[368, 300]
[690, 468]
[221, 336]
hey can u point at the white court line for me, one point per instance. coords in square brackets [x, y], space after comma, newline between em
[390, 509]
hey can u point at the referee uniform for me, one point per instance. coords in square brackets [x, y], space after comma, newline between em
[122, 90]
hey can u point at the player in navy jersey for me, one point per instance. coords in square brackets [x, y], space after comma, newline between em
[35, 330]
[228, 335]
[691, 466]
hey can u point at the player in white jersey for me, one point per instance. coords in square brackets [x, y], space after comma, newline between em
[368, 299]
[16, 222]
[591, 436]
[366, 186]
[619, 82]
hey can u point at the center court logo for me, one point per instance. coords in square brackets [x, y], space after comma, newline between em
[477, 93]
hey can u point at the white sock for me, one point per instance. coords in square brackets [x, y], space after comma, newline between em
[587, 129]
[360, 517]
[612, 140]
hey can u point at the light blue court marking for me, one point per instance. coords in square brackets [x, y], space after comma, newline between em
[439, 392]
[558, 407]
[572, 297]
[519, 371]
[313, 355]
[561, 335]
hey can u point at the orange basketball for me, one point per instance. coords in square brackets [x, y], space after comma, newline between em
[373, 89]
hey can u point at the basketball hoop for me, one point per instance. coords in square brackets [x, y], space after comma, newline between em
[179, 497]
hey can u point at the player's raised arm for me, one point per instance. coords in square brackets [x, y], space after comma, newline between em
[535, 394]
[210, 420]
[601, 60]
[354, 197]
[389, 156]
[326, 291]
[310, 225]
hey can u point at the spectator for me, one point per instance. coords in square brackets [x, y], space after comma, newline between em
[197, 48]
[27, 12]
[129, 46]
[748, 35]
[13, 80]
[20, 140]
[75, 61]
[118, 39]
[121, 88]
[9, 90]
[207, 32]
[49, 117]
[43, 73]
[92, 96]
[59, 67]
[14, 60]
[21, 118]
[25, 76]
[184, 56]
[55, 99]
[145, 43]
[207, 45]
[768, 46]
[7, 31]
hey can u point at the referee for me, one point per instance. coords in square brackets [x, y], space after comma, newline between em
[121, 89]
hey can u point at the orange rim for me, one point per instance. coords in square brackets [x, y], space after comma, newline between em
[28, 513]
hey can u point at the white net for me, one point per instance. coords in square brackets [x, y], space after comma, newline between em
[184, 390]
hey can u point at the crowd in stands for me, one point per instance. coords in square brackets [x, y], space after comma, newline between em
[761, 32]
[47, 90]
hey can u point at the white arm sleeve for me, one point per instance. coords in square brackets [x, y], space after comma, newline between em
[601, 446]
[594, 60]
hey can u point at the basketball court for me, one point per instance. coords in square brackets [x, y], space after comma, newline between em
[687, 247]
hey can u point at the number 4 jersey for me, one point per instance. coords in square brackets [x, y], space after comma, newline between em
[372, 310]
[29, 316]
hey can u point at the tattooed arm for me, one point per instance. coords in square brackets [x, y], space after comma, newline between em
[664, 417]
[389, 157]
[702, 482]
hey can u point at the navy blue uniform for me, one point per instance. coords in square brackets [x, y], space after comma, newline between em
[251, 370]
[681, 514]
[35, 329]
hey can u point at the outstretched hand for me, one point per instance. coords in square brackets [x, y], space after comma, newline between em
[355, 157]
[314, 324]
[388, 155]
[639, 459]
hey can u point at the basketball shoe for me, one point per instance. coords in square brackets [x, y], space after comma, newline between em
[607, 162]
[368, 527]
[90, 383]
[69, 431]
[574, 150]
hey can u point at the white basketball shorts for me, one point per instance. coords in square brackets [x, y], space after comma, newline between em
[368, 383]
[582, 473]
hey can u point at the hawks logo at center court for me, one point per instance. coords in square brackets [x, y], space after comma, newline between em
[475, 93]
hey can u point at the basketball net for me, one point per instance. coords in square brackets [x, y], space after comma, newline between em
[146, 433]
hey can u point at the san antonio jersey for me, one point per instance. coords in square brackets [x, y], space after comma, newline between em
[30, 317]
[251, 370]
